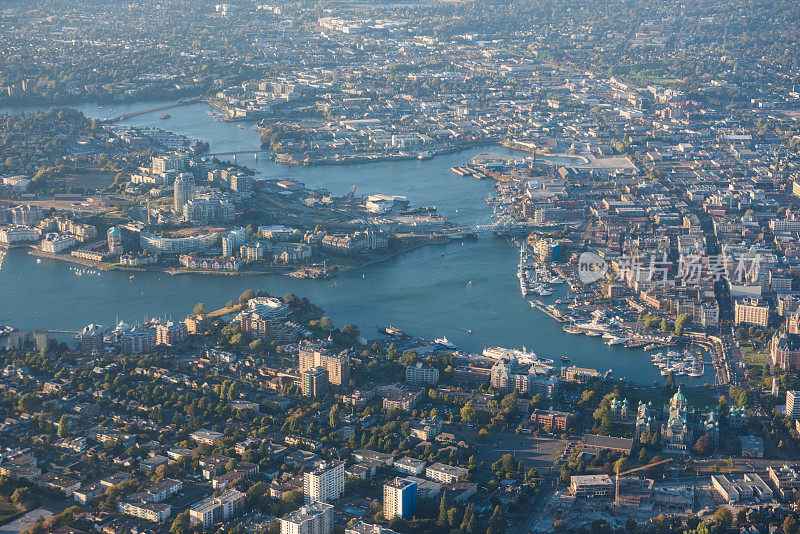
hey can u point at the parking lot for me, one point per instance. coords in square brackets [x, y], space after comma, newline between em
[537, 453]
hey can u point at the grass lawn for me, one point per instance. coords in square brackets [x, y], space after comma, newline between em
[754, 357]
[701, 399]
[7, 511]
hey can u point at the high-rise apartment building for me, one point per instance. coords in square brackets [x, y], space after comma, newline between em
[399, 498]
[314, 518]
[337, 365]
[325, 483]
[314, 382]
[793, 404]
[184, 190]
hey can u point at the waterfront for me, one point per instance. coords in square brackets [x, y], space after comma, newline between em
[425, 292]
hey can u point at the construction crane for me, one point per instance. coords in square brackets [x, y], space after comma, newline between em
[634, 470]
[349, 196]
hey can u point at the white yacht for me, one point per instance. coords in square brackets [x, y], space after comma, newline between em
[444, 342]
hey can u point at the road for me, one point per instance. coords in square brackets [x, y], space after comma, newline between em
[731, 354]
[548, 486]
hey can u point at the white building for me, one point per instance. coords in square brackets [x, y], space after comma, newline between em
[184, 190]
[445, 473]
[18, 234]
[399, 498]
[793, 404]
[178, 245]
[163, 164]
[417, 374]
[409, 466]
[56, 243]
[325, 483]
[748, 487]
[206, 437]
[314, 518]
[231, 241]
[215, 509]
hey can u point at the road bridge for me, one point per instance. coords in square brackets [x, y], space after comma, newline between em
[132, 114]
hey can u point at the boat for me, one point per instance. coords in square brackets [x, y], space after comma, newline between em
[616, 341]
[131, 277]
[444, 342]
[593, 334]
[572, 330]
[424, 155]
[564, 359]
[165, 116]
[38, 260]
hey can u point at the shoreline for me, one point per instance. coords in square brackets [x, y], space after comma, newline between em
[178, 271]
[386, 158]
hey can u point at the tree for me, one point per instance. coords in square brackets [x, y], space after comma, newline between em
[703, 446]
[497, 523]
[468, 412]
[741, 517]
[723, 517]
[669, 387]
[790, 525]
[247, 295]
[453, 517]
[21, 496]
[326, 323]
[28, 402]
[199, 309]
[335, 417]
[681, 322]
[443, 509]
[181, 525]
[63, 426]
[350, 330]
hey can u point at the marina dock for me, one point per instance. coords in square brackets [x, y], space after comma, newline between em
[550, 311]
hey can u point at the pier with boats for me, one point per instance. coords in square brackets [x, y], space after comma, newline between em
[533, 276]
[686, 363]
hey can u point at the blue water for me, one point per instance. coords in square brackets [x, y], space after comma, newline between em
[425, 292]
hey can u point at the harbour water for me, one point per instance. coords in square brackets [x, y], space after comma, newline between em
[426, 292]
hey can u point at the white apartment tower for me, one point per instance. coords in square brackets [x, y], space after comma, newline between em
[314, 518]
[793, 404]
[184, 190]
[325, 483]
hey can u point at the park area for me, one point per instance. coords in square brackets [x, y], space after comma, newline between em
[7, 512]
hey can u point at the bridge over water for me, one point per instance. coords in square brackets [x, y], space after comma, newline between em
[132, 114]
